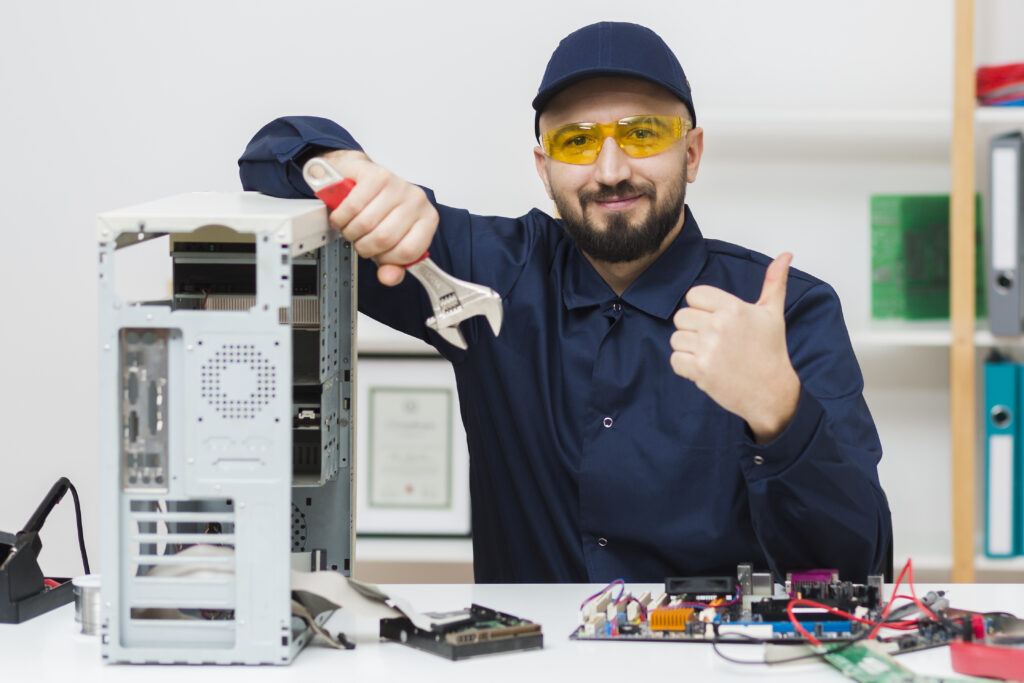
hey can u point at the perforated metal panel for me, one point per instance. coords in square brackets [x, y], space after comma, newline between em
[298, 530]
[238, 380]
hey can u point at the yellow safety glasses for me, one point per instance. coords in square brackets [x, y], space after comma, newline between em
[637, 136]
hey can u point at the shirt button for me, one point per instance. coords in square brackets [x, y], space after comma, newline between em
[607, 422]
[617, 307]
[602, 542]
[758, 460]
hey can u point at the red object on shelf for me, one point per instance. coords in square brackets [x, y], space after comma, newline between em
[1000, 85]
[987, 659]
[994, 77]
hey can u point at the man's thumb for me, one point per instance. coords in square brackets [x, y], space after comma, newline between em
[773, 292]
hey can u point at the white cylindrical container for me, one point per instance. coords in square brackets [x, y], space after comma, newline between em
[87, 602]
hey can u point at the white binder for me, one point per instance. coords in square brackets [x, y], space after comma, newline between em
[1006, 236]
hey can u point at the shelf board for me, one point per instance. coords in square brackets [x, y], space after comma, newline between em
[999, 564]
[768, 118]
[983, 562]
[1013, 115]
[909, 135]
[405, 549]
[986, 339]
[881, 333]
[843, 132]
[903, 333]
[818, 118]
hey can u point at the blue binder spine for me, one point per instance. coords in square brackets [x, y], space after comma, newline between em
[1002, 437]
[1018, 472]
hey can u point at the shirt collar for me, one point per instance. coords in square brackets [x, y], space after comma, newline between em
[659, 289]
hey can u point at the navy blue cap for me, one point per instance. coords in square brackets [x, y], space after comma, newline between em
[612, 48]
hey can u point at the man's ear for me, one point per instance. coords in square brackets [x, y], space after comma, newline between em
[541, 160]
[694, 151]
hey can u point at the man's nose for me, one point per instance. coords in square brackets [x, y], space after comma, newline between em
[612, 165]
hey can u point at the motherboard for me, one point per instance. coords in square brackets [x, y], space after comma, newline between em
[813, 606]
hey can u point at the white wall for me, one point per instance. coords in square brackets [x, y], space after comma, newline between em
[112, 103]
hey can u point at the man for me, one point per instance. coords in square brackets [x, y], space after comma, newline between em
[590, 459]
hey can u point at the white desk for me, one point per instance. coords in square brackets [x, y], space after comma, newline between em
[49, 648]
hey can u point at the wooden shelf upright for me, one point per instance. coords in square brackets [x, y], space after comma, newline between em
[962, 313]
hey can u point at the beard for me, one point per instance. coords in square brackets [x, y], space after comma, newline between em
[623, 240]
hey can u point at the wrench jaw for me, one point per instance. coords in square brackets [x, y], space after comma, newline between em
[450, 333]
[494, 312]
[485, 302]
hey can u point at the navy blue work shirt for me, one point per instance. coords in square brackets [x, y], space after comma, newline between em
[590, 459]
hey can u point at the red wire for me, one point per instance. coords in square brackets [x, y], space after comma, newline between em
[734, 600]
[910, 579]
[888, 605]
[908, 570]
[798, 626]
[902, 625]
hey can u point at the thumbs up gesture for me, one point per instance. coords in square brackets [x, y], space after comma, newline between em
[736, 352]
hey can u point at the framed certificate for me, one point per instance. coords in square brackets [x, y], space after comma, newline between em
[412, 467]
[409, 440]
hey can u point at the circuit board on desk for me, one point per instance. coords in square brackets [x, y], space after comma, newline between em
[749, 607]
[466, 633]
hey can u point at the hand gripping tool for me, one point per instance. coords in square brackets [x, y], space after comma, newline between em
[453, 300]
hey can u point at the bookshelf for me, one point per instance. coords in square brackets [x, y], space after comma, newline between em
[972, 126]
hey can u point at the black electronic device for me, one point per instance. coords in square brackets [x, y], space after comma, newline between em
[24, 591]
[466, 633]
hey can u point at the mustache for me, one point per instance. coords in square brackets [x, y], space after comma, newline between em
[623, 189]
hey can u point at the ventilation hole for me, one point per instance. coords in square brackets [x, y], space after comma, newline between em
[298, 529]
[239, 360]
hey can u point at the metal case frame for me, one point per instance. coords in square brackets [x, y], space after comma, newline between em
[199, 432]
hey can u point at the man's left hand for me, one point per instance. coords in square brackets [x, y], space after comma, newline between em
[736, 352]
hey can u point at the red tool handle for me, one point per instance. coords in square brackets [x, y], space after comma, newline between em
[335, 194]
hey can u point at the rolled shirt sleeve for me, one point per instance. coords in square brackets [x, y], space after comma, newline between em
[272, 161]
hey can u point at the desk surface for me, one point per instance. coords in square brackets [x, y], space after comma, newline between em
[49, 647]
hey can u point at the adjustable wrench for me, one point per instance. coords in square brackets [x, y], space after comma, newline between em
[453, 300]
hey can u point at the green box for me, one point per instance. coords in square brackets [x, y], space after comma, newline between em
[910, 257]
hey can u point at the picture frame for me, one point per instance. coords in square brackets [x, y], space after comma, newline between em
[412, 465]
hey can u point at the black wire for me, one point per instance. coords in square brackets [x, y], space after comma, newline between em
[81, 533]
